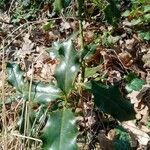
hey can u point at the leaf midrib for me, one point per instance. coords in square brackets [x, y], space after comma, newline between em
[68, 68]
[61, 129]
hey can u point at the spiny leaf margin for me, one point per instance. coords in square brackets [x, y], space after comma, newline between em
[60, 131]
[40, 92]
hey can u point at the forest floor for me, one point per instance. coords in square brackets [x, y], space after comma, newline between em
[120, 56]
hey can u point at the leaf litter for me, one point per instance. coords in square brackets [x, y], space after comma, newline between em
[30, 48]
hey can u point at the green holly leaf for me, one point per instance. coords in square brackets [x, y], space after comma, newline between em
[54, 51]
[67, 69]
[44, 93]
[40, 92]
[135, 85]
[110, 100]
[122, 139]
[60, 131]
[60, 4]
[112, 13]
[15, 76]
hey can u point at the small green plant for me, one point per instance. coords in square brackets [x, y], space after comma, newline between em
[110, 9]
[3, 4]
[133, 82]
[22, 14]
[139, 18]
[27, 10]
[54, 122]
[59, 128]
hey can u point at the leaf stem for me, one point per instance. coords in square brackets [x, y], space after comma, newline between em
[81, 34]
[80, 4]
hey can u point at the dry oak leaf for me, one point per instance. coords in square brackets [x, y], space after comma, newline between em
[126, 59]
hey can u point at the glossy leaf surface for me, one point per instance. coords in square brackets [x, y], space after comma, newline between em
[68, 67]
[123, 140]
[15, 76]
[60, 132]
[110, 100]
[135, 85]
[112, 13]
[60, 4]
[40, 93]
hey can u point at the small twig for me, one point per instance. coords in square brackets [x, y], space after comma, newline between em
[13, 39]
[5, 22]
[28, 112]
[79, 4]
[26, 24]
[10, 6]
[81, 38]
[36, 22]
[3, 100]
[27, 137]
